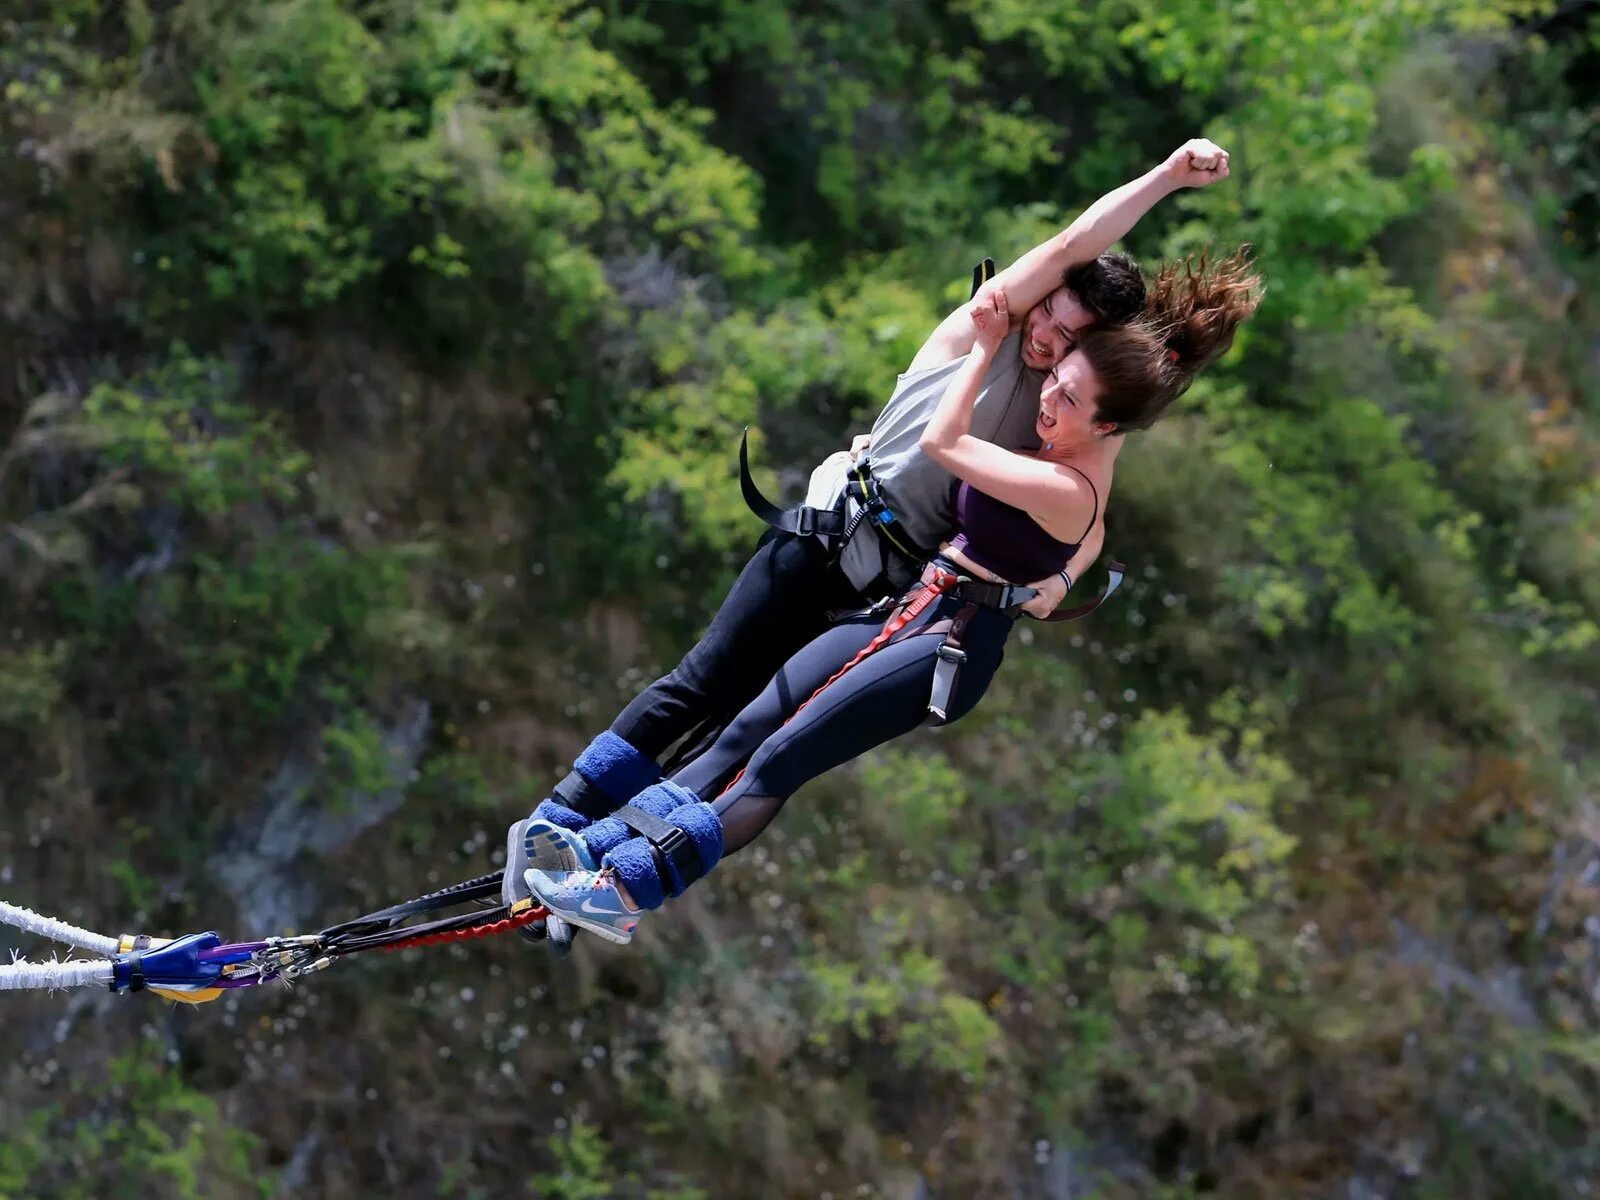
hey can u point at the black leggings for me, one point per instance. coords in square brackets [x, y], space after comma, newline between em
[881, 698]
[779, 603]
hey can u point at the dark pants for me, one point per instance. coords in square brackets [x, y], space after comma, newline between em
[779, 603]
[881, 698]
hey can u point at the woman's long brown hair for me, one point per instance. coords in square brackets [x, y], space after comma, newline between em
[1191, 313]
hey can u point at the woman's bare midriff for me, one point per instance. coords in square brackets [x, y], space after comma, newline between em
[966, 564]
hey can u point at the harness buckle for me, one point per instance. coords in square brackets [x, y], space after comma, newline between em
[952, 654]
[673, 843]
[805, 521]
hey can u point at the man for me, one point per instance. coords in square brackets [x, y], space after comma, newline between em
[872, 541]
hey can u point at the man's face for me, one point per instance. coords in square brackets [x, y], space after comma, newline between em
[1051, 328]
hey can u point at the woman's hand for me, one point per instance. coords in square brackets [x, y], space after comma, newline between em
[991, 317]
[1199, 162]
[1052, 591]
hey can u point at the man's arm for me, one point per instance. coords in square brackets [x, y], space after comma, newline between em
[1040, 271]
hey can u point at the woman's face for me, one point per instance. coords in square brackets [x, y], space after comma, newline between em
[1068, 401]
[1051, 328]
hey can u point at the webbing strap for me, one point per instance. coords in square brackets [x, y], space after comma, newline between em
[570, 790]
[671, 842]
[950, 658]
[1117, 572]
[906, 613]
[995, 595]
[801, 519]
[946, 667]
[386, 919]
[981, 274]
[869, 494]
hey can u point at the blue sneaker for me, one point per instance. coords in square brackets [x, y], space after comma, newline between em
[512, 885]
[588, 899]
[552, 847]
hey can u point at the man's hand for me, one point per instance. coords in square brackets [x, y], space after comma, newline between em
[1052, 591]
[859, 445]
[1199, 162]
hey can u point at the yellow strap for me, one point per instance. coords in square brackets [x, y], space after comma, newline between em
[882, 528]
[125, 943]
[195, 997]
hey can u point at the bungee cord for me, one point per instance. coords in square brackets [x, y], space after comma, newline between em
[198, 967]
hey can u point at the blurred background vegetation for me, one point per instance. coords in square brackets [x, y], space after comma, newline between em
[370, 372]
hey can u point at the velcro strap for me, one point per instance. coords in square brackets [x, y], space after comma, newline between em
[670, 842]
[128, 974]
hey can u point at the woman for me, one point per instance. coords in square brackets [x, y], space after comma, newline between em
[784, 596]
[1019, 515]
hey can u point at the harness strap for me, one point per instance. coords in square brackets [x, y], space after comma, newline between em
[865, 490]
[1117, 571]
[947, 665]
[903, 615]
[981, 274]
[806, 521]
[672, 843]
[800, 519]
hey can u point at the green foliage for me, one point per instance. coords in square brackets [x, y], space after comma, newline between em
[136, 1130]
[256, 628]
[583, 1172]
[363, 354]
[1200, 824]
[182, 431]
[909, 1004]
[30, 685]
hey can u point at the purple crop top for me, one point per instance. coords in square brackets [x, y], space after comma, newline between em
[1006, 541]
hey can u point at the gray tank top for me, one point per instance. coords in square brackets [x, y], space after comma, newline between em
[917, 488]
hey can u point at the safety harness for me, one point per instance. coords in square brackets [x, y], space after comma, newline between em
[872, 506]
[978, 594]
[940, 578]
[839, 522]
[863, 494]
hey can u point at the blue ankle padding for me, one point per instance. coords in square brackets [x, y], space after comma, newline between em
[675, 794]
[614, 766]
[559, 814]
[635, 866]
[704, 827]
[604, 836]
[635, 862]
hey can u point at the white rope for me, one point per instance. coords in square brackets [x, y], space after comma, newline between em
[57, 931]
[52, 975]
